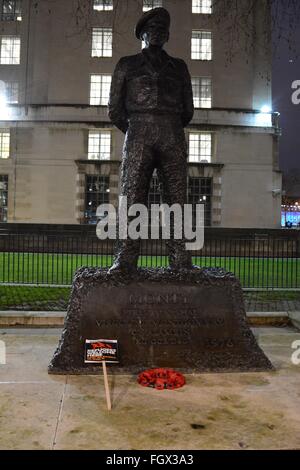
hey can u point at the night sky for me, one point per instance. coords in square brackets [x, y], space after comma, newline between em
[286, 69]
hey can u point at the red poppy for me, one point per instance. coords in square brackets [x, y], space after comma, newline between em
[161, 379]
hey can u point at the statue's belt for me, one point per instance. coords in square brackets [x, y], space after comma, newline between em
[154, 117]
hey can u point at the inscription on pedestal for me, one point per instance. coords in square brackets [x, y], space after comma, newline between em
[196, 323]
[155, 322]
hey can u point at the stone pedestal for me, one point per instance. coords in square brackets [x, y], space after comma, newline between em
[193, 321]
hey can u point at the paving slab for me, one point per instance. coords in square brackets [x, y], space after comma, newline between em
[213, 411]
[295, 319]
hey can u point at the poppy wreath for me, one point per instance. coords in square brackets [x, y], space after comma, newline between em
[161, 379]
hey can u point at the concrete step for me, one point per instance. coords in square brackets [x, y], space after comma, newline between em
[56, 319]
[33, 319]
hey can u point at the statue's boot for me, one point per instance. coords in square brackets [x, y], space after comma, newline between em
[126, 258]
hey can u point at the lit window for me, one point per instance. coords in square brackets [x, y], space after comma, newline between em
[99, 145]
[102, 42]
[10, 50]
[200, 191]
[200, 147]
[4, 144]
[3, 197]
[100, 88]
[202, 92]
[202, 6]
[12, 92]
[201, 45]
[149, 4]
[11, 10]
[96, 193]
[103, 5]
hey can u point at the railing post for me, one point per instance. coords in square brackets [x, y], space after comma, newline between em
[298, 245]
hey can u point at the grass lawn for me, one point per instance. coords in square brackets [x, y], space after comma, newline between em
[34, 298]
[43, 268]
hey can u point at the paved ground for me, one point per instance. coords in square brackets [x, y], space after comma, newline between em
[262, 302]
[213, 411]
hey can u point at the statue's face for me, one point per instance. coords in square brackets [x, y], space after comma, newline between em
[155, 33]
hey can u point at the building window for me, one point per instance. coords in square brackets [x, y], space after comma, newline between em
[12, 92]
[99, 145]
[201, 45]
[10, 50]
[202, 6]
[4, 144]
[96, 193]
[3, 197]
[103, 5]
[102, 42]
[202, 92]
[200, 147]
[154, 197]
[11, 10]
[149, 4]
[100, 88]
[200, 192]
[154, 194]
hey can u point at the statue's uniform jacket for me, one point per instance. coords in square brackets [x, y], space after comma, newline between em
[152, 107]
[137, 88]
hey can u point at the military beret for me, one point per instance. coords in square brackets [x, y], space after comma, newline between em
[162, 13]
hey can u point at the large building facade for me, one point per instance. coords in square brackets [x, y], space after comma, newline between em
[60, 155]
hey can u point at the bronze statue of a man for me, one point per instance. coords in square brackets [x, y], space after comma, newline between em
[151, 100]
